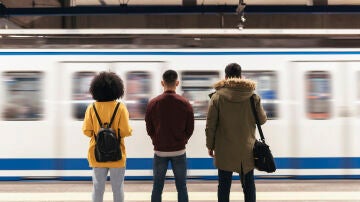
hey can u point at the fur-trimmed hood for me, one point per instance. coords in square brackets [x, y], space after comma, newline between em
[235, 89]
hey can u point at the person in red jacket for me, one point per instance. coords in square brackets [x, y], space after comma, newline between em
[170, 123]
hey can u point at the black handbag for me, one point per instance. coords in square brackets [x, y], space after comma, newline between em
[264, 160]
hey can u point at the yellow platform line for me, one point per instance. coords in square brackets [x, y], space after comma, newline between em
[172, 196]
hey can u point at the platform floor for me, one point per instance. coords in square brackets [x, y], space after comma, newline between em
[199, 191]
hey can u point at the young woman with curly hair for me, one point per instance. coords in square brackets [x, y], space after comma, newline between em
[106, 88]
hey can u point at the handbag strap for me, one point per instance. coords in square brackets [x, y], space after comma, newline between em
[252, 101]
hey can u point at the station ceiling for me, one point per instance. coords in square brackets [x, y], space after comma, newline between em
[215, 2]
[60, 3]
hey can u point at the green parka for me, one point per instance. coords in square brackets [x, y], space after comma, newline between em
[230, 124]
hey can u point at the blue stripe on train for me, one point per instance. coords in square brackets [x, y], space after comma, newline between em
[193, 163]
[50, 53]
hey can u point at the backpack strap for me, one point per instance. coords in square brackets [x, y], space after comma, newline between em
[114, 114]
[97, 115]
[112, 118]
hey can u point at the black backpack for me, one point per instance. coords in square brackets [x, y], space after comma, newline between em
[107, 147]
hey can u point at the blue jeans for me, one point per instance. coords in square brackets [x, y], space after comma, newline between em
[247, 182]
[178, 164]
[117, 183]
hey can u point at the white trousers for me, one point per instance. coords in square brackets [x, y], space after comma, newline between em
[117, 183]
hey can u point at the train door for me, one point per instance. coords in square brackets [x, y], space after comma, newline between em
[318, 92]
[75, 97]
[270, 86]
[142, 82]
[27, 118]
[352, 109]
[196, 83]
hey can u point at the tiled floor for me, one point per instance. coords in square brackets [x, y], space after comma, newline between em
[267, 190]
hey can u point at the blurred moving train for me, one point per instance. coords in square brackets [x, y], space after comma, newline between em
[311, 96]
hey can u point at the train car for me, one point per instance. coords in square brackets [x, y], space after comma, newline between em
[311, 97]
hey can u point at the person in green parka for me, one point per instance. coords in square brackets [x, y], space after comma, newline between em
[230, 131]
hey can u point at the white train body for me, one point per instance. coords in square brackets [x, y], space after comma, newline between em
[312, 97]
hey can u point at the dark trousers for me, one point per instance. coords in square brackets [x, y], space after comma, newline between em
[247, 182]
[179, 168]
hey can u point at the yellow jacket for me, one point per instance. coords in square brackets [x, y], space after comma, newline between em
[91, 126]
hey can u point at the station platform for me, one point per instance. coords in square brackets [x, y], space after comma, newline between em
[200, 191]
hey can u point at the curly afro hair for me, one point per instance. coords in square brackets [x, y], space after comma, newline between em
[107, 86]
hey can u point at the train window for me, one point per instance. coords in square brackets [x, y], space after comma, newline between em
[24, 96]
[138, 92]
[358, 94]
[196, 86]
[267, 88]
[81, 96]
[318, 94]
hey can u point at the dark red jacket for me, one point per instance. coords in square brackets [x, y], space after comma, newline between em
[169, 121]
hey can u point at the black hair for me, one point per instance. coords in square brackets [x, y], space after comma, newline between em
[233, 70]
[106, 86]
[170, 77]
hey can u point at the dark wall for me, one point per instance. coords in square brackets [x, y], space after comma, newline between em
[193, 21]
[285, 20]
